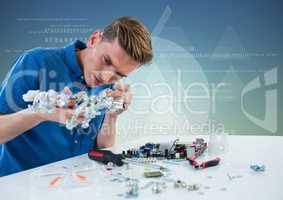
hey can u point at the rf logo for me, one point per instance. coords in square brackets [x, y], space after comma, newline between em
[270, 119]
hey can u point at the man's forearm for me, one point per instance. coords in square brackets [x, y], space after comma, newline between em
[12, 125]
[107, 134]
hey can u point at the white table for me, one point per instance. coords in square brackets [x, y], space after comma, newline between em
[215, 184]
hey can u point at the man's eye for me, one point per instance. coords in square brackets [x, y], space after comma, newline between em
[106, 61]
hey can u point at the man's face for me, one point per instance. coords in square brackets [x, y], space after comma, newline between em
[106, 62]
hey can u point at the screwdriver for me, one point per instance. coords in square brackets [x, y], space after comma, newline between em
[106, 156]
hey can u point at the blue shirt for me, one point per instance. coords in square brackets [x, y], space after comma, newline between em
[43, 69]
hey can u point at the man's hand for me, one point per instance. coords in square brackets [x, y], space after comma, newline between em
[61, 115]
[106, 136]
[121, 92]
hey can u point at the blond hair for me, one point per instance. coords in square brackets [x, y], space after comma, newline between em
[132, 36]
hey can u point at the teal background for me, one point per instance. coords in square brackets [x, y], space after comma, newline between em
[213, 42]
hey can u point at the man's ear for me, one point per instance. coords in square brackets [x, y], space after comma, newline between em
[94, 38]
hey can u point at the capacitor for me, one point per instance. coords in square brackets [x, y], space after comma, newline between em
[177, 155]
[166, 153]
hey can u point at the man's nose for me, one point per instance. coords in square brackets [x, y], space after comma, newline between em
[107, 76]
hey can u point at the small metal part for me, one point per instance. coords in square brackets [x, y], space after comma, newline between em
[127, 166]
[147, 185]
[193, 187]
[150, 174]
[224, 189]
[200, 193]
[156, 188]
[178, 184]
[116, 180]
[132, 188]
[110, 165]
[258, 168]
[119, 177]
[206, 187]
[233, 177]
[184, 185]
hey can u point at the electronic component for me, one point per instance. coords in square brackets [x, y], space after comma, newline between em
[174, 150]
[170, 150]
[150, 174]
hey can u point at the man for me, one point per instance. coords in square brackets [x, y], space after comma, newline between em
[30, 139]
